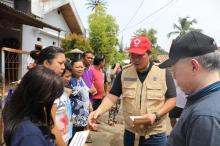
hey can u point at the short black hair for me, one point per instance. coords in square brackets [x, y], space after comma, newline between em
[76, 60]
[87, 52]
[67, 66]
[98, 59]
[113, 66]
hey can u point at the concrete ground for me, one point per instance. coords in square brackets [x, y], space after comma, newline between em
[108, 135]
[111, 135]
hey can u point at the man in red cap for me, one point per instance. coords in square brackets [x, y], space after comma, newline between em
[148, 94]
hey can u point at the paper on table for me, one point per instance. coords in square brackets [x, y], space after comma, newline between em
[79, 138]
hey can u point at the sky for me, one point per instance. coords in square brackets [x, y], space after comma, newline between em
[206, 12]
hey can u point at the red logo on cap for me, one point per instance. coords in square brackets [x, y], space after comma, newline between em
[136, 42]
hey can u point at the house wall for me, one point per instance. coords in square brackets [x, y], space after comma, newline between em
[32, 36]
[56, 19]
[48, 37]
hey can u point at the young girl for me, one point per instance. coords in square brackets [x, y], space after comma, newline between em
[79, 98]
[63, 113]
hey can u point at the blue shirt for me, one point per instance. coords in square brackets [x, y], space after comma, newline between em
[79, 101]
[28, 134]
[199, 124]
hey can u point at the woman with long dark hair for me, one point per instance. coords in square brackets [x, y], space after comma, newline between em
[28, 120]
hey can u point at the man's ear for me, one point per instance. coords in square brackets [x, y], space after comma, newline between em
[195, 65]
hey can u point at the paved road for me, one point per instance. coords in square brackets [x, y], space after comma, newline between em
[110, 135]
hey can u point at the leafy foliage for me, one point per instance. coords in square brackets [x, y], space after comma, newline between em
[74, 41]
[184, 26]
[103, 31]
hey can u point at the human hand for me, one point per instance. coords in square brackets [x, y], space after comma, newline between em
[93, 91]
[93, 116]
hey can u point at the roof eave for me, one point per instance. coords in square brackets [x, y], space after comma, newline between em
[72, 18]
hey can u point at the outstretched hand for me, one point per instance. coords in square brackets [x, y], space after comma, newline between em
[93, 116]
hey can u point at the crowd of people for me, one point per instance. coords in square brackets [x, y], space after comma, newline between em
[58, 97]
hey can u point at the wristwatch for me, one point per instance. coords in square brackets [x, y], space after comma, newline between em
[157, 116]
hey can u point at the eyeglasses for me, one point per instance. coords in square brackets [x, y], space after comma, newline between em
[132, 56]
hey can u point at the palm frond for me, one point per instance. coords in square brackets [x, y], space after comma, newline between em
[175, 26]
[172, 33]
[93, 4]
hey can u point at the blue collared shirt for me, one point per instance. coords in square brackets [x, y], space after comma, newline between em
[199, 124]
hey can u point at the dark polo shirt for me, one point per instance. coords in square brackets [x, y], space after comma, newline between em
[199, 124]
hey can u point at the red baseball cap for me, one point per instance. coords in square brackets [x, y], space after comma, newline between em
[140, 45]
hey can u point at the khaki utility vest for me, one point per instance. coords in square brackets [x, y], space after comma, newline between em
[142, 98]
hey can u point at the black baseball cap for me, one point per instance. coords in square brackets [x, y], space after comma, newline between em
[189, 45]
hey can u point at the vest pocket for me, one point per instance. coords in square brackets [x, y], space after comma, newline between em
[155, 94]
[154, 91]
[128, 107]
[128, 104]
[155, 99]
[129, 90]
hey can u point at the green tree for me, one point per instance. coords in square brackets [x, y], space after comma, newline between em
[151, 34]
[74, 41]
[184, 26]
[103, 31]
[94, 4]
[118, 56]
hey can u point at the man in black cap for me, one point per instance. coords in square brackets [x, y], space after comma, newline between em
[195, 62]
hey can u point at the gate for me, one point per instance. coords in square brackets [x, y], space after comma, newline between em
[13, 66]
